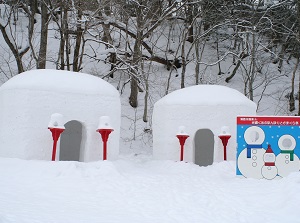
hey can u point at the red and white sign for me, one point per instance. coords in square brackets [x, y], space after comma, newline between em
[268, 120]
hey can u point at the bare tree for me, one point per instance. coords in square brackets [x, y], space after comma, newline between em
[78, 36]
[145, 16]
[9, 35]
[45, 15]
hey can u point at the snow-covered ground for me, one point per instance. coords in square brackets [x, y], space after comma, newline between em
[143, 191]
[135, 188]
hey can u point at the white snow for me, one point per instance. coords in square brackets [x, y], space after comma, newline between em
[60, 81]
[56, 121]
[225, 131]
[28, 101]
[181, 131]
[197, 107]
[205, 95]
[144, 192]
[104, 123]
[133, 190]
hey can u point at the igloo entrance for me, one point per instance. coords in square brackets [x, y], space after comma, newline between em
[70, 142]
[204, 147]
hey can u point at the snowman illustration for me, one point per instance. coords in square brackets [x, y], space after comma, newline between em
[269, 170]
[286, 161]
[250, 160]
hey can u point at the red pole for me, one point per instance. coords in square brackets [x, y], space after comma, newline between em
[225, 156]
[54, 150]
[181, 153]
[104, 135]
[104, 149]
[55, 135]
[224, 139]
[182, 139]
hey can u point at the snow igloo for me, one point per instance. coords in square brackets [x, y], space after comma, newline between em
[205, 112]
[28, 101]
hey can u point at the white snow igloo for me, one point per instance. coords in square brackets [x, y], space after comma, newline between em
[203, 110]
[28, 100]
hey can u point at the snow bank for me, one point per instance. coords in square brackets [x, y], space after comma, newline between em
[145, 192]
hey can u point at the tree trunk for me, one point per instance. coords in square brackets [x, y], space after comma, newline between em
[135, 61]
[31, 19]
[107, 37]
[62, 38]
[79, 32]
[182, 82]
[145, 115]
[298, 18]
[218, 57]
[197, 66]
[281, 55]
[41, 64]
[133, 92]
[253, 68]
[299, 96]
[241, 57]
[18, 55]
[66, 34]
[291, 96]
[190, 18]
[34, 6]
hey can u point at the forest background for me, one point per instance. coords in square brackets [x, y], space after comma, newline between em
[149, 48]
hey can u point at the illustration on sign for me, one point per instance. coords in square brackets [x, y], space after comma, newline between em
[268, 146]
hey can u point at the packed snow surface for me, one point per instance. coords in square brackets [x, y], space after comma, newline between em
[29, 100]
[58, 80]
[205, 95]
[141, 191]
[201, 107]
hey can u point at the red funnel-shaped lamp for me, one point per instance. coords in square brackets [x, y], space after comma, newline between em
[182, 136]
[104, 129]
[56, 127]
[225, 136]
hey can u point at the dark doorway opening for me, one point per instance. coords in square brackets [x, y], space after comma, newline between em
[204, 147]
[70, 142]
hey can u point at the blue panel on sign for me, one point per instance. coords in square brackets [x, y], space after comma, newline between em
[268, 146]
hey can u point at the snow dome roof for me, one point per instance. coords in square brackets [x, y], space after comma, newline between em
[60, 81]
[205, 95]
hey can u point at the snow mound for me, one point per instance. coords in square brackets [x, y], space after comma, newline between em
[60, 81]
[29, 100]
[205, 95]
